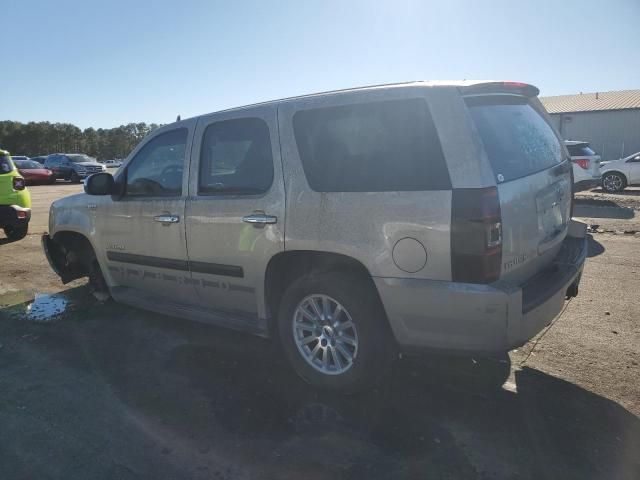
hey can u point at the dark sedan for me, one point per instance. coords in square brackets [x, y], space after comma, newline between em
[33, 172]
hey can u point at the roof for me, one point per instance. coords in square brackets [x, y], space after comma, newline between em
[419, 83]
[592, 102]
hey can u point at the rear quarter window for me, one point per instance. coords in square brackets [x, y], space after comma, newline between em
[517, 139]
[371, 147]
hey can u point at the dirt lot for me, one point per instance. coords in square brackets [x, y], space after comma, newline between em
[107, 391]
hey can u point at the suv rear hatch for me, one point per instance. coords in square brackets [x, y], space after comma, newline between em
[531, 171]
[585, 157]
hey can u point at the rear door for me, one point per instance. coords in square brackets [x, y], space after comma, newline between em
[235, 210]
[533, 178]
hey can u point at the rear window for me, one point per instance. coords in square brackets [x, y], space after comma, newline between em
[5, 164]
[517, 139]
[371, 147]
[581, 150]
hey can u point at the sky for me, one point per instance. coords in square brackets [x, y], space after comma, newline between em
[106, 63]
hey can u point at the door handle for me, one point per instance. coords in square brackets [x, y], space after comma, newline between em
[260, 219]
[167, 218]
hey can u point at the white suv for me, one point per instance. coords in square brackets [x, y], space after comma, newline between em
[586, 165]
[619, 174]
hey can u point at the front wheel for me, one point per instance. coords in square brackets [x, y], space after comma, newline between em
[17, 232]
[334, 332]
[613, 182]
[75, 178]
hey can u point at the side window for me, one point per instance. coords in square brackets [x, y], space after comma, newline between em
[236, 158]
[156, 170]
[5, 164]
[379, 146]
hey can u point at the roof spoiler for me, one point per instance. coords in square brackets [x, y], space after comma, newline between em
[500, 87]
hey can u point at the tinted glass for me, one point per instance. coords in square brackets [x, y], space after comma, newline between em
[236, 158]
[581, 150]
[26, 164]
[80, 158]
[371, 147]
[517, 139]
[5, 164]
[156, 170]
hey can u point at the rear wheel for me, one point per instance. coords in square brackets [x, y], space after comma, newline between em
[613, 182]
[334, 333]
[17, 232]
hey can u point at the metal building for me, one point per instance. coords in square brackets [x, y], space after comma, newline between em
[610, 121]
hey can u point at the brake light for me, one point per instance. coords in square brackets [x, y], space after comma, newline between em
[18, 183]
[476, 235]
[582, 162]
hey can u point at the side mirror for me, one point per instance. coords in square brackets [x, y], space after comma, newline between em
[99, 184]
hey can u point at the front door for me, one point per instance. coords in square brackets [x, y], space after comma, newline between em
[142, 233]
[235, 210]
[633, 167]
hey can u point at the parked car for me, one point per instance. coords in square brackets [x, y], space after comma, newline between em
[619, 174]
[40, 159]
[15, 201]
[33, 172]
[348, 225]
[73, 166]
[586, 165]
[113, 163]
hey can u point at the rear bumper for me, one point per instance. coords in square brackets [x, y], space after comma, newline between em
[581, 185]
[13, 215]
[427, 314]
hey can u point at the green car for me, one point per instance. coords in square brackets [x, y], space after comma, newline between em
[15, 201]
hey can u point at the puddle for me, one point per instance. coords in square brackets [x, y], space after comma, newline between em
[46, 307]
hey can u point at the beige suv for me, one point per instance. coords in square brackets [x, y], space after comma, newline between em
[349, 225]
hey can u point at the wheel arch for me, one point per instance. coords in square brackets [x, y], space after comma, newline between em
[286, 267]
[70, 254]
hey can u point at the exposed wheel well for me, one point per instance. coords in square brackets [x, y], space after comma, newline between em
[74, 254]
[286, 267]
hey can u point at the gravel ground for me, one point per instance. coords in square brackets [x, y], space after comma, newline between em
[107, 391]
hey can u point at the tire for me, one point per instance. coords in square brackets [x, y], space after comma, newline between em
[375, 345]
[75, 178]
[18, 232]
[613, 182]
[97, 284]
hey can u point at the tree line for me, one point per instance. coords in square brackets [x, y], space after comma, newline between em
[42, 138]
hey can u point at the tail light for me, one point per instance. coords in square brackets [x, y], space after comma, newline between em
[476, 235]
[582, 162]
[18, 183]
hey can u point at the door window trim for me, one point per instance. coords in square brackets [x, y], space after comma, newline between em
[232, 195]
[123, 175]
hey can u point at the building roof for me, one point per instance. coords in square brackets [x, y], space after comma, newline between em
[592, 102]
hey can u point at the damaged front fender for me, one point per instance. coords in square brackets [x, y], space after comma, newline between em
[58, 259]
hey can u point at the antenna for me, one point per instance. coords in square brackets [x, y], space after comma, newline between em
[178, 118]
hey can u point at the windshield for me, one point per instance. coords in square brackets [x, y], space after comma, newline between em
[517, 139]
[81, 158]
[26, 164]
